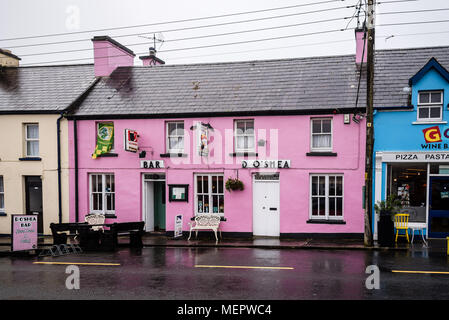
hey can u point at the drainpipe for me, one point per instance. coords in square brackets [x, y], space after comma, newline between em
[75, 137]
[58, 129]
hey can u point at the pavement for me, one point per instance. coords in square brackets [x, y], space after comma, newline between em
[207, 240]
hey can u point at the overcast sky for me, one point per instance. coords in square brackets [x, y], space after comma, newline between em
[24, 18]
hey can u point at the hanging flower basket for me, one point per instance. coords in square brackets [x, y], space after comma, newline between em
[234, 184]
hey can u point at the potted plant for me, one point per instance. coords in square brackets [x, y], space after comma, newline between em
[386, 209]
[234, 184]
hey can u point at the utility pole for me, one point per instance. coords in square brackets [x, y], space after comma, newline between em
[368, 237]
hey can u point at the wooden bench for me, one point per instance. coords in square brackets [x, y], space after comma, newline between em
[109, 238]
[61, 231]
[205, 222]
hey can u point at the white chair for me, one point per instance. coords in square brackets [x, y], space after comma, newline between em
[205, 222]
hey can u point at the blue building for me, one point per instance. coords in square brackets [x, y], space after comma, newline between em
[411, 132]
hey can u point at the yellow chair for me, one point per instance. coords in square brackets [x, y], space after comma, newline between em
[401, 223]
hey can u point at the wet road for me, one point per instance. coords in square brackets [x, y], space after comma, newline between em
[228, 274]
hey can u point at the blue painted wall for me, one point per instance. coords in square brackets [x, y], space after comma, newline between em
[396, 131]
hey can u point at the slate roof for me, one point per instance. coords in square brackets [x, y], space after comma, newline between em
[304, 84]
[395, 67]
[42, 89]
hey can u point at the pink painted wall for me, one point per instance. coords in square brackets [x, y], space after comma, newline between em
[294, 143]
[107, 57]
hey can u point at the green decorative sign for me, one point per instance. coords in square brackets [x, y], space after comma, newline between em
[105, 139]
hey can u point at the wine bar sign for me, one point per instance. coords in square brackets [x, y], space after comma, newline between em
[24, 232]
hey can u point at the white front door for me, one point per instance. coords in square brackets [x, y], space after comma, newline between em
[148, 205]
[266, 213]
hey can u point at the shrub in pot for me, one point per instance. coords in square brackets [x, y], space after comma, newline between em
[386, 209]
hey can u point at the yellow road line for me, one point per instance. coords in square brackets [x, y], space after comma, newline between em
[423, 272]
[243, 267]
[79, 263]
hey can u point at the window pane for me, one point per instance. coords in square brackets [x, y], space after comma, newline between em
[326, 126]
[316, 126]
[206, 204]
[112, 183]
[240, 127]
[32, 131]
[99, 183]
[171, 128]
[424, 97]
[94, 183]
[205, 184]
[332, 186]
[199, 184]
[220, 184]
[314, 206]
[2, 201]
[200, 204]
[423, 113]
[250, 142]
[331, 206]
[321, 141]
[435, 97]
[339, 207]
[1, 184]
[214, 204]
[214, 184]
[339, 186]
[435, 112]
[322, 186]
[32, 148]
[221, 204]
[314, 186]
[240, 143]
[322, 206]
[174, 143]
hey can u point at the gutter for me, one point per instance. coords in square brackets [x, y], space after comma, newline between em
[58, 130]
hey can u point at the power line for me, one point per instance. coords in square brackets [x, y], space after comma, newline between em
[189, 28]
[210, 46]
[201, 37]
[173, 21]
[408, 23]
[414, 11]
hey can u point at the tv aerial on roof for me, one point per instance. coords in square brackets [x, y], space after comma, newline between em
[157, 39]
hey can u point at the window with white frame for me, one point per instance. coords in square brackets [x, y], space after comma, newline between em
[102, 193]
[430, 106]
[209, 194]
[2, 195]
[326, 196]
[321, 134]
[244, 136]
[32, 140]
[175, 137]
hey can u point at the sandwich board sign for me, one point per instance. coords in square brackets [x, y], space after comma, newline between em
[23, 232]
[178, 226]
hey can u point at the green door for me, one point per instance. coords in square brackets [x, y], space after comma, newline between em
[159, 205]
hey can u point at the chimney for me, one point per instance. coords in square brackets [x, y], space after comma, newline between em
[151, 59]
[109, 54]
[359, 43]
[7, 59]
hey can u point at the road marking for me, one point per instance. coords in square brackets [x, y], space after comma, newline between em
[79, 263]
[243, 267]
[423, 272]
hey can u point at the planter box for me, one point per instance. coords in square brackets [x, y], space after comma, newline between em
[385, 231]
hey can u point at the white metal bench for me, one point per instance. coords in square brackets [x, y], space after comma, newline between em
[205, 222]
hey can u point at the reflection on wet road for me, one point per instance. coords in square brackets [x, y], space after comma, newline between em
[228, 273]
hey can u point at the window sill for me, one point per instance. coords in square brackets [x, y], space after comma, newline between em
[107, 155]
[173, 155]
[3, 214]
[244, 154]
[324, 221]
[30, 159]
[429, 122]
[110, 216]
[321, 154]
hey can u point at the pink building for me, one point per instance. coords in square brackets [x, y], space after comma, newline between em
[284, 128]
